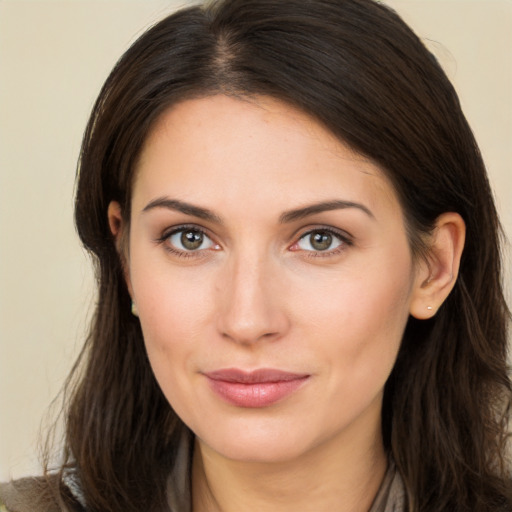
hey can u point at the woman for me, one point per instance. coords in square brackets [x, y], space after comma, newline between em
[300, 304]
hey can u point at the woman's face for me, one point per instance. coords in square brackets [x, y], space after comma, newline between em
[272, 275]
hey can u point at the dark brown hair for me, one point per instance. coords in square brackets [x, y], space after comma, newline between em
[358, 69]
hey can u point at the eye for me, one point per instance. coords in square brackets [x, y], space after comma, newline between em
[189, 239]
[320, 240]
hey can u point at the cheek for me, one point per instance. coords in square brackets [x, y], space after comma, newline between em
[173, 314]
[170, 321]
[174, 308]
[360, 346]
[359, 318]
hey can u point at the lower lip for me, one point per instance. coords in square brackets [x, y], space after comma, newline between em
[257, 394]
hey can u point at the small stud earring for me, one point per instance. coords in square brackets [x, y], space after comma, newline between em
[135, 311]
[429, 308]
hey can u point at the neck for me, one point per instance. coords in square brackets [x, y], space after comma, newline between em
[342, 474]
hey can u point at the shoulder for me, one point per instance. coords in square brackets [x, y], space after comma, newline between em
[27, 495]
[22, 495]
[34, 494]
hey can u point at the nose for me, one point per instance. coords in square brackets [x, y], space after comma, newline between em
[251, 307]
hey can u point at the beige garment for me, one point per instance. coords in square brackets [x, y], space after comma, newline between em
[34, 495]
[390, 498]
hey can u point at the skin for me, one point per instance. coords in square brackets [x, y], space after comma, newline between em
[258, 293]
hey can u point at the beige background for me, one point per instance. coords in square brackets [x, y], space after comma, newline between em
[54, 57]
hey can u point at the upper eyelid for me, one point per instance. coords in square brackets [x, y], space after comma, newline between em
[163, 240]
[343, 234]
[345, 238]
[167, 232]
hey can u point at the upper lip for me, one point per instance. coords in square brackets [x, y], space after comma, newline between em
[261, 375]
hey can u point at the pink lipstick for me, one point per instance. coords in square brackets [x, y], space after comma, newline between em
[258, 388]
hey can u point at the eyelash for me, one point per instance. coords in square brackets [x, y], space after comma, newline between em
[345, 239]
[178, 252]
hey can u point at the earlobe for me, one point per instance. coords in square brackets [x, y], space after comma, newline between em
[436, 277]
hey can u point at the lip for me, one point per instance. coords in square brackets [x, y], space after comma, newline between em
[253, 389]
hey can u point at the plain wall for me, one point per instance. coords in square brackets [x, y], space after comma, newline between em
[54, 57]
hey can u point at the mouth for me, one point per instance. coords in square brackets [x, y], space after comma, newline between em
[258, 388]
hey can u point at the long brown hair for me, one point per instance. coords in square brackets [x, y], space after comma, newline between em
[358, 69]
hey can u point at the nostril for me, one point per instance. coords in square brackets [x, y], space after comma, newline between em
[248, 336]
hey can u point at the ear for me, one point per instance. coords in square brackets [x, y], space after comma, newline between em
[115, 220]
[435, 277]
[117, 225]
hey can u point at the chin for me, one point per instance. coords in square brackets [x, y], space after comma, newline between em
[262, 452]
[261, 443]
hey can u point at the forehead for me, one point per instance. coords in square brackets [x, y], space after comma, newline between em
[250, 148]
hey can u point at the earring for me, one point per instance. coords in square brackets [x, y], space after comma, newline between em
[429, 308]
[135, 311]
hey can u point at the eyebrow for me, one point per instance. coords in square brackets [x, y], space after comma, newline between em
[183, 207]
[300, 213]
[286, 217]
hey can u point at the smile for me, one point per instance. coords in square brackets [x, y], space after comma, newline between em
[259, 388]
